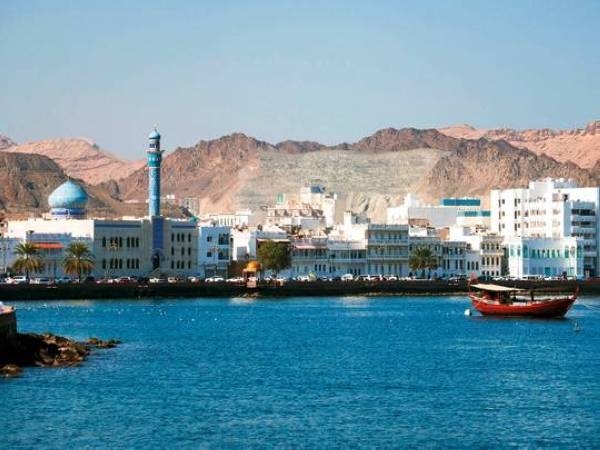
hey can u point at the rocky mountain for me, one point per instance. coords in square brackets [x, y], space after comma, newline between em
[6, 142]
[581, 146]
[238, 171]
[79, 158]
[477, 166]
[26, 180]
[393, 140]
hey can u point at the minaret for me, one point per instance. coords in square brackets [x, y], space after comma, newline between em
[154, 155]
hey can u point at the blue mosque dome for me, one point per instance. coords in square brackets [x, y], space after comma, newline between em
[154, 134]
[68, 200]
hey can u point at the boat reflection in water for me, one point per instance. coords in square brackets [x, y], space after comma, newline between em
[496, 300]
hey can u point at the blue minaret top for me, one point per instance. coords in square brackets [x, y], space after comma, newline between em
[154, 156]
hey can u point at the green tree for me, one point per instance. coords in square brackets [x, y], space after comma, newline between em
[78, 259]
[274, 256]
[27, 259]
[422, 258]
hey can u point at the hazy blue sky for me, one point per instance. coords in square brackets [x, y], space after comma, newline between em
[327, 71]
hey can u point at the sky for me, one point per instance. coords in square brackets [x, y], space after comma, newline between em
[328, 71]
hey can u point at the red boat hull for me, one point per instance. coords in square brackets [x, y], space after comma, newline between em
[551, 308]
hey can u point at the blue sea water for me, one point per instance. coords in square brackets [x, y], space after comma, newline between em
[347, 372]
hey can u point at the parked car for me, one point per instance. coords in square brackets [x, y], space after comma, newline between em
[17, 279]
[175, 280]
[41, 280]
[347, 277]
[215, 279]
[62, 280]
[123, 280]
[194, 279]
[235, 280]
[157, 280]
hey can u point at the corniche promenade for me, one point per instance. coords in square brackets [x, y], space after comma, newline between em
[287, 289]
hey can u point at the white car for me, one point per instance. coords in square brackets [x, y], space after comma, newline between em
[215, 279]
[347, 277]
[235, 280]
[18, 279]
[157, 280]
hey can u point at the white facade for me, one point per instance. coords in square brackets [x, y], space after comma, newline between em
[120, 247]
[240, 218]
[545, 257]
[450, 210]
[387, 249]
[485, 252]
[213, 250]
[550, 209]
[245, 242]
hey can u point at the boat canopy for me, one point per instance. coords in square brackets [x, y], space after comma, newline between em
[495, 288]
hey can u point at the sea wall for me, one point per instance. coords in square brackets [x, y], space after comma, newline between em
[287, 289]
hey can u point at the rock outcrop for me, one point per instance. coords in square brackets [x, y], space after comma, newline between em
[476, 166]
[581, 145]
[80, 158]
[6, 142]
[45, 350]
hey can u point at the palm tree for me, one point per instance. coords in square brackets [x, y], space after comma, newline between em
[422, 258]
[27, 259]
[78, 259]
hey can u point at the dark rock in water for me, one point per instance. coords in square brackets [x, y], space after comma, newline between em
[47, 350]
[98, 343]
[10, 371]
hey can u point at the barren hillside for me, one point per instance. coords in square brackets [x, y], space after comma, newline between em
[477, 166]
[581, 146]
[80, 158]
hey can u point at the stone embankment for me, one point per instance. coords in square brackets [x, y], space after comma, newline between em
[287, 289]
[44, 350]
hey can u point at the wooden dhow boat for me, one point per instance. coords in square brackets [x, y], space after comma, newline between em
[497, 300]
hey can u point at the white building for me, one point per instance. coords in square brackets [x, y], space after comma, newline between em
[241, 218]
[550, 209]
[545, 257]
[214, 250]
[485, 251]
[245, 242]
[120, 247]
[466, 211]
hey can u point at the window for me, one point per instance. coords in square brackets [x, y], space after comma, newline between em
[104, 242]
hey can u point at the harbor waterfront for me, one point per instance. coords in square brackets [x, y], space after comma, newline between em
[268, 289]
[319, 372]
